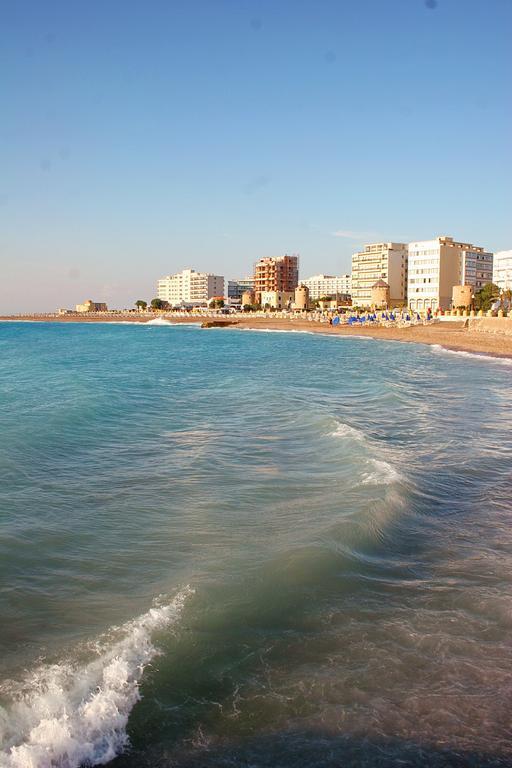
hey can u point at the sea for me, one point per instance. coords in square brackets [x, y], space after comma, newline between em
[252, 549]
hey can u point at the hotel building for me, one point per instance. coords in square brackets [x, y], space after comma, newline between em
[379, 261]
[190, 287]
[237, 287]
[477, 266]
[279, 274]
[435, 266]
[502, 270]
[327, 285]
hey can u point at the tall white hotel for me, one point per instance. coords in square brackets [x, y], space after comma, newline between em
[190, 287]
[502, 270]
[435, 266]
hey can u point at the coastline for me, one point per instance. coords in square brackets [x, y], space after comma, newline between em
[452, 336]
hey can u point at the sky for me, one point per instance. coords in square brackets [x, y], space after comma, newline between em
[141, 138]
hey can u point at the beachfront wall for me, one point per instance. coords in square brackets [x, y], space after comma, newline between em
[498, 325]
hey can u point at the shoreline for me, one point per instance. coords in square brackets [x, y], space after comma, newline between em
[452, 336]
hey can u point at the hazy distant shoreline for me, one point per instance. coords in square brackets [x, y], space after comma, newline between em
[452, 336]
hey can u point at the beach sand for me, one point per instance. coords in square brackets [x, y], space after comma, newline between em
[450, 335]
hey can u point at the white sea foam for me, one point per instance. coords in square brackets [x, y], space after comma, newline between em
[278, 330]
[381, 473]
[67, 715]
[438, 349]
[169, 323]
[341, 336]
[158, 321]
[345, 430]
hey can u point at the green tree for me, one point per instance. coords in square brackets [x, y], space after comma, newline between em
[140, 304]
[158, 304]
[486, 296]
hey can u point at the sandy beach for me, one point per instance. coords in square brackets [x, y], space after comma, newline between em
[450, 335]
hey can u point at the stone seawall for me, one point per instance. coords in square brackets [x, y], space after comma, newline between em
[499, 325]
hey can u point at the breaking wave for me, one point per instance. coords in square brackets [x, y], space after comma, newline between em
[159, 321]
[381, 473]
[345, 430]
[67, 715]
[438, 349]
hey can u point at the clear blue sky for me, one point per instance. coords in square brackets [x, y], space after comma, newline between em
[139, 138]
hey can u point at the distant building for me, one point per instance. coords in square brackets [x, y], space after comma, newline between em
[277, 299]
[379, 261]
[190, 287]
[502, 270]
[327, 285]
[477, 266]
[435, 266]
[278, 274]
[91, 306]
[237, 287]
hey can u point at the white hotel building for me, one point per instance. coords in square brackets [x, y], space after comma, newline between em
[327, 285]
[190, 287]
[502, 271]
[435, 266]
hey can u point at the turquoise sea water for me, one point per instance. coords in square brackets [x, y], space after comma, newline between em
[227, 548]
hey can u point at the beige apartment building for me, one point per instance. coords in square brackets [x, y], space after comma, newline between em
[279, 274]
[379, 261]
[277, 299]
[190, 287]
[91, 306]
[436, 266]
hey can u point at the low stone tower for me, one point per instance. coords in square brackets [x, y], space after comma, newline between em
[462, 296]
[380, 294]
[248, 297]
[302, 297]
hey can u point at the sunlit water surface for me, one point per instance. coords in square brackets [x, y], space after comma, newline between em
[225, 548]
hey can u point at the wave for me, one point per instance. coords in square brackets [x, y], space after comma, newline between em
[382, 473]
[159, 321]
[344, 336]
[345, 430]
[279, 330]
[438, 349]
[67, 715]
[170, 323]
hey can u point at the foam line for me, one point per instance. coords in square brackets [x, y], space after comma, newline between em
[67, 715]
